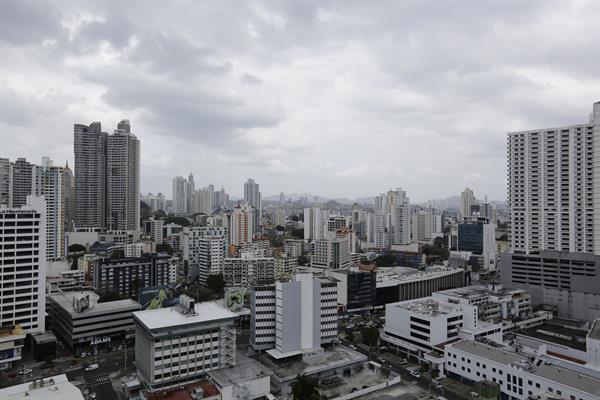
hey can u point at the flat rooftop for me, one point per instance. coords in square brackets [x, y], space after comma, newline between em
[246, 369]
[500, 355]
[595, 331]
[428, 306]
[397, 275]
[330, 358]
[566, 376]
[171, 316]
[55, 388]
[559, 334]
[65, 300]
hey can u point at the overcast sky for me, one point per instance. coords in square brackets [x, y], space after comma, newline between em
[338, 99]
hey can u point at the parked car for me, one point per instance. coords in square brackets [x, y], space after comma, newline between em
[26, 371]
[415, 374]
[353, 347]
[92, 367]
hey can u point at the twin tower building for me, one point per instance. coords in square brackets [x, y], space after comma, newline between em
[107, 177]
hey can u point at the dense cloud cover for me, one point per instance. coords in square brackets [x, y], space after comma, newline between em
[343, 99]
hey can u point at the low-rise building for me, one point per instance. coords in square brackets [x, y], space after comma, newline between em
[511, 307]
[293, 247]
[51, 388]
[402, 283]
[248, 270]
[12, 339]
[127, 276]
[247, 380]
[417, 327]
[80, 321]
[179, 345]
[519, 375]
[285, 266]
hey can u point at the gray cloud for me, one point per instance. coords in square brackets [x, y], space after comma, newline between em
[339, 98]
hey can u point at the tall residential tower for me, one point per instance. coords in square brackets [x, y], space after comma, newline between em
[553, 188]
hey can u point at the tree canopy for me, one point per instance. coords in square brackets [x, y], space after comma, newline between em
[76, 248]
[370, 336]
[305, 388]
[386, 260]
[164, 248]
[216, 283]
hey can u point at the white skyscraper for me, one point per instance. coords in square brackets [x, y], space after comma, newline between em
[212, 251]
[467, 199]
[6, 177]
[47, 181]
[253, 197]
[554, 188]
[240, 225]
[314, 223]
[391, 222]
[90, 175]
[25, 305]
[107, 177]
[190, 191]
[179, 195]
[123, 177]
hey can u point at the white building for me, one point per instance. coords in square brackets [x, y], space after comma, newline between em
[47, 181]
[293, 317]
[418, 326]
[330, 253]
[241, 225]
[211, 256]
[248, 270]
[552, 193]
[285, 266]
[518, 376]
[195, 249]
[154, 227]
[467, 200]
[293, 247]
[55, 387]
[25, 229]
[253, 197]
[179, 195]
[123, 179]
[181, 344]
[314, 223]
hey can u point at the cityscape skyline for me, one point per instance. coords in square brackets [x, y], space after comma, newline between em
[428, 119]
[300, 200]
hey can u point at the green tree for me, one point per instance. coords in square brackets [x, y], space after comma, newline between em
[298, 233]
[386, 260]
[280, 228]
[370, 336]
[216, 283]
[303, 260]
[439, 243]
[76, 248]
[295, 218]
[164, 248]
[305, 388]
[200, 293]
[177, 220]
[160, 214]
[145, 211]
[117, 254]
